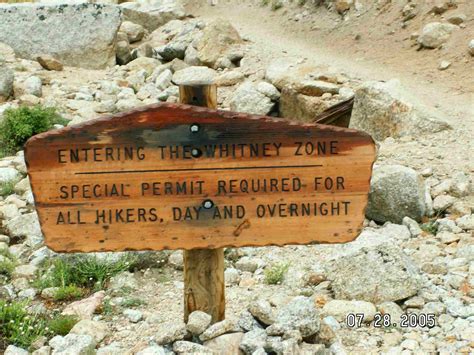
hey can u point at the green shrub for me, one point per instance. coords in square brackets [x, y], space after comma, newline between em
[276, 4]
[96, 272]
[82, 272]
[59, 273]
[274, 275]
[20, 328]
[6, 267]
[132, 302]
[7, 188]
[7, 264]
[21, 123]
[69, 292]
[430, 227]
[62, 324]
[17, 327]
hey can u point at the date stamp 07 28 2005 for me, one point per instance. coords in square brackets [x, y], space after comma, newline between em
[406, 320]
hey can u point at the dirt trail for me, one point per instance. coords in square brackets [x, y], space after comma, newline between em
[451, 92]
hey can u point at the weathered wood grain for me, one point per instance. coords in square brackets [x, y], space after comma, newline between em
[204, 287]
[271, 217]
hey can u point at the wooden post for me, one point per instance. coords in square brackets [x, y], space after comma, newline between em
[204, 288]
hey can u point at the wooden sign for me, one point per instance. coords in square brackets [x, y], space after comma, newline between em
[173, 176]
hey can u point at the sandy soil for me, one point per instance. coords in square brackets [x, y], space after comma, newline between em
[382, 51]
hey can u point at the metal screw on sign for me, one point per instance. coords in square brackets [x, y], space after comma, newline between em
[208, 204]
[194, 128]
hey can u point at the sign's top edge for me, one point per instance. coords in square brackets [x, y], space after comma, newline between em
[196, 110]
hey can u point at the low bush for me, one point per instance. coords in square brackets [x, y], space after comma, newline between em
[7, 264]
[7, 188]
[21, 123]
[132, 302]
[70, 292]
[74, 275]
[20, 328]
[274, 275]
[17, 326]
[62, 324]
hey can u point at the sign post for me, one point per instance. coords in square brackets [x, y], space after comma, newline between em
[204, 286]
[175, 176]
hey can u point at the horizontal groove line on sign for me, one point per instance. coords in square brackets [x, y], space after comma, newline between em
[198, 169]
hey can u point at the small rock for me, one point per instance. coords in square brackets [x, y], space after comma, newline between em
[225, 344]
[49, 63]
[8, 174]
[466, 222]
[231, 276]
[176, 260]
[415, 302]
[396, 192]
[163, 80]
[457, 19]
[229, 78]
[169, 332]
[133, 315]
[187, 347]
[436, 268]
[250, 264]
[73, 344]
[316, 88]
[153, 350]
[412, 226]
[14, 350]
[436, 308]
[253, 340]
[33, 86]
[434, 34]
[24, 225]
[44, 350]
[409, 344]
[442, 202]
[123, 280]
[218, 328]
[85, 308]
[339, 309]
[247, 98]
[373, 272]
[194, 76]
[97, 330]
[391, 308]
[191, 56]
[343, 5]
[471, 47]
[134, 31]
[198, 322]
[27, 271]
[263, 311]
[247, 322]
[6, 87]
[111, 349]
[49, 293]
[301, 314]
[268, 90]
[22, 186]
[461, 185]
[217, 38]
[123, 52]
[444, 64]
[447, 237]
